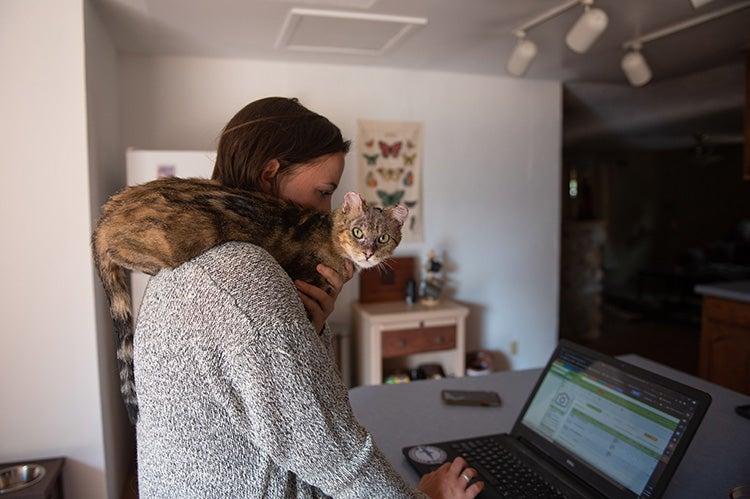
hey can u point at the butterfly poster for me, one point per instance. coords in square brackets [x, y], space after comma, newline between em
[389, 157]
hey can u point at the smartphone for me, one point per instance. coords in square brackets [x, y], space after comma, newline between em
[743, 410]
[463, 397]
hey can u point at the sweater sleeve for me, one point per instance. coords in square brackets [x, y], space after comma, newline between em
[326, 336]
[290, 401]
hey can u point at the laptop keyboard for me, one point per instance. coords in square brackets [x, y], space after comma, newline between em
[502, 470]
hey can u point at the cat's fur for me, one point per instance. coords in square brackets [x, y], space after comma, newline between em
[166, 222]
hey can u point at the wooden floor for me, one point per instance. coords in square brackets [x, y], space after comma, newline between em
[667, 342]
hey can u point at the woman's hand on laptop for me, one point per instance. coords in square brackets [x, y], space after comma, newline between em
[450, 481]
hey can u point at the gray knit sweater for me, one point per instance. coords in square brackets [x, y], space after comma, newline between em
[239, 396]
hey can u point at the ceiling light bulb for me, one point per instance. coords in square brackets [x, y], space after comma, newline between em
[521, 58]
[586, 30]
[636, 68]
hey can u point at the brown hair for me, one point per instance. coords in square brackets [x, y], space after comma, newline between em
[273, 128]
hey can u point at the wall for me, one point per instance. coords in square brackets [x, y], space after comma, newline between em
[491, 167]
[48, 351]
[106, 176]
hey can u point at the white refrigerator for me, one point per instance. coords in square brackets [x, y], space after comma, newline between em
[144, 166]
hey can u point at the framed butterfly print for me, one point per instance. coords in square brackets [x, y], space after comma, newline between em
[389, 159]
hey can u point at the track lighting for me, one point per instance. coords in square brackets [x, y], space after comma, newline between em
[522, 56]
[636, 68]
[587, 29]
[581, 36]
[590, 26]
[634, 65]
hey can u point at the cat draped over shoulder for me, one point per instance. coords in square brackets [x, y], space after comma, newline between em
[166, 222]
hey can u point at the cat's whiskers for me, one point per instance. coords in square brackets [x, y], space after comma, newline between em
[385, 264]
[383, 267]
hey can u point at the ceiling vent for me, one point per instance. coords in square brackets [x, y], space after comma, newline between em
[339, 32]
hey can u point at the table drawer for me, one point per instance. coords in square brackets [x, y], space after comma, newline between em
[424, 339]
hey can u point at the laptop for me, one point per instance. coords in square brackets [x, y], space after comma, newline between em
[593, 427]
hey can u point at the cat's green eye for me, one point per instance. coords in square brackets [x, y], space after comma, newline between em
[384, 238]
[357, 233]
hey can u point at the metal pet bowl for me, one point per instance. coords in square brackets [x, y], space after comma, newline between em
[19, 477]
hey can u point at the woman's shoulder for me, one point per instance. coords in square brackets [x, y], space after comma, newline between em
[250, 277]
[253, 278]
[235, 256]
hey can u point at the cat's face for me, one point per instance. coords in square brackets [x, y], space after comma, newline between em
[368, 234]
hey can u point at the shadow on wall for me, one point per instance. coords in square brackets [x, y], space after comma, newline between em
[476, 330]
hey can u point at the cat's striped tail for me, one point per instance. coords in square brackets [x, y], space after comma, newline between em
[115, 284]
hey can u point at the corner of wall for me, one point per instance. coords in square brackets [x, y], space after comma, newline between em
[106, 176]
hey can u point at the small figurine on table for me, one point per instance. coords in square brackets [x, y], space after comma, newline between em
[433, 281]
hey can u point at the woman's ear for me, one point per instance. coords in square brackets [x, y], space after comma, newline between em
[268, 175]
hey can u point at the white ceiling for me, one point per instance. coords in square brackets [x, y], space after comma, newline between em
[472, 36]
[697, 87]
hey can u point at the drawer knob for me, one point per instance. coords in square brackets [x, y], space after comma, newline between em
[439, 340]
[401, 343]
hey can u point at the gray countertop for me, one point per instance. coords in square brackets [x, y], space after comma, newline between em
[735, 290]
[410, 414]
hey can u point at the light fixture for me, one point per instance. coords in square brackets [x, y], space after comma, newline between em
[587, 29]
[581, 36]
[636, 68]
[522, 56]
[634, 65]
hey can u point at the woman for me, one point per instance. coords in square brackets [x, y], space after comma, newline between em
[238, 393]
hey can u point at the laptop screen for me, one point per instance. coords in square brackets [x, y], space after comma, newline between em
[594, 415]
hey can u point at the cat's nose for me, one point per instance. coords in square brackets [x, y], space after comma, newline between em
[369, 254]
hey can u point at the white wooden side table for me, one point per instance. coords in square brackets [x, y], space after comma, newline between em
[396, 335]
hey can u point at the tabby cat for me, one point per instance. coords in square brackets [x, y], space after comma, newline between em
[166, 222]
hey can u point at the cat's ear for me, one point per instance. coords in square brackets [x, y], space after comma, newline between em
[400, 212]
[353, 202]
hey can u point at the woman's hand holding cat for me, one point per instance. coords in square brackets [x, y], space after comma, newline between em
[318, 303]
